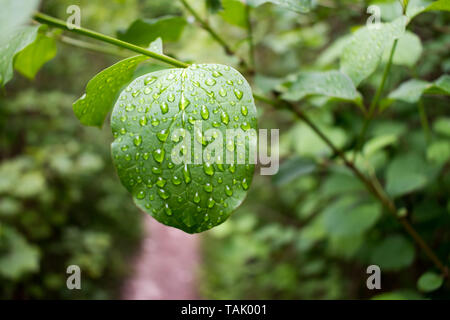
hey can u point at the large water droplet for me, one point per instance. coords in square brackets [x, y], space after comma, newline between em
[140, 195]
[186, 174]
[238, 93]
[176, 181]
[158, 155]
[164, 107]
[204, 112]
[143, 121]
[184, 102]
[211, 202]
[244, 110]
[171, 97]
[244, 184]
[149, 80]
[163, 194]
[228, 191]
[208, 169]
[167, 209]
[161, 182]
[210, 82]
[162, 135]
[196, 198]
[224, 117]
[137, 141]
[208, 187]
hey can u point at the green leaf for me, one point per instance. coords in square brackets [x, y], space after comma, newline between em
[412, 90]
[405, 174]
[393, 253]
[408, 50]
[348, 217]
[16, 43]
[213, 5]
[143, 31]
[293, 168]
[32, 58]
[333, 52]
[442, 126]
[332, 84]
[21, 258]
[234, 13]
[429, 281]
[301, 6]
[154, 120]
[101, 91]
[13, 15]
[441, 5]
[362, 55]
[439, 152]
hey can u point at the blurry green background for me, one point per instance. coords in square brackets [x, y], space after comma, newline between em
[61, 201]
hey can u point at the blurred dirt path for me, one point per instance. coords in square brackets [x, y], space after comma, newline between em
[166, 266]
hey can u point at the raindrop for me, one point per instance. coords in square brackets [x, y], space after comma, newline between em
[204, 112]
[158, 155]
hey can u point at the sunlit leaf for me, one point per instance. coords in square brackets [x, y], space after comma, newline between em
[32, 58]
[362, 54]
[412, 90]
[429, 281]
[154, 121]
[16, 43]
[332, 84]
[143, 31]
[101, 91]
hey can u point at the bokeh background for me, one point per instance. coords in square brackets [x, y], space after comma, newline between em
[61, 202]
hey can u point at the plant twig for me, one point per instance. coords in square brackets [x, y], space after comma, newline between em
[424, 120]
[250, 36]
[92, 47]
[207, 27]
[375, 101]
[43, 18]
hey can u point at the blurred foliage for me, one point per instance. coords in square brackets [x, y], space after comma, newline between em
[308, 232]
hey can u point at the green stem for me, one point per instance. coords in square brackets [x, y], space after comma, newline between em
[375, 101]
[250, 36]
[205, 25]
[43, 18]
[92, 47]
[424, 120]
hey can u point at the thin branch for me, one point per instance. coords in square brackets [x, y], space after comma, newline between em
[92, 47]
[251, 53]
[207, 27]
[375, 101]
[43, 18]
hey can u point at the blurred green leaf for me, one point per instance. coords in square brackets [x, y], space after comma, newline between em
[21, 257]
[362, 54]
[442, 126]
[408, 50]
[407, 173]
[329, 83]
[429, 281]
[101, 91]
[13, 15]
[234, 13]
[143, 31]
[34, 56]
[439, 152]
[412, 90]
[213, 5]
[293, 168]
[294, 5]
[347, 216]
[393, 253]
[8, 51]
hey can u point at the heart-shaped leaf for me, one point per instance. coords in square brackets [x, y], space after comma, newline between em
[184, 140]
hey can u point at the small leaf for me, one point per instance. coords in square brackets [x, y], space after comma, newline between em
[234, 13]
[32, 58]
[407, 52]
[412, 90]
[293, 168]
[301, 6]
[213, 5]
[442, 126]
[143, 31]
[347, 217]
[156, 46]
[21, 257]
[393, 253]
[13, 15]
[101, 91]
[440, 5]
[332, 84]
[16, 43]
[429, 281]
[362, 55]
[150, 122]
[407, 173]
